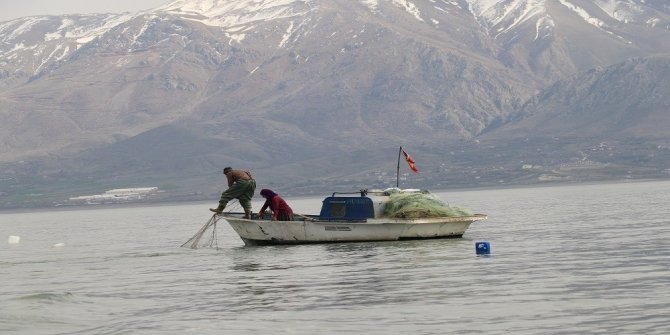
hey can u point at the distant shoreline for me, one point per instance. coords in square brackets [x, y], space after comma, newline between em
[205, 203]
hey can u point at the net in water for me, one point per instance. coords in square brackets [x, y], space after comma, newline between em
[209, 230]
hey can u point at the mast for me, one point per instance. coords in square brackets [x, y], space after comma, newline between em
[397, 171]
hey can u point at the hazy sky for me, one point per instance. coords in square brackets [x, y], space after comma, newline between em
[12, 9]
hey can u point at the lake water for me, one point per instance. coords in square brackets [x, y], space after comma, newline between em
[587, 259]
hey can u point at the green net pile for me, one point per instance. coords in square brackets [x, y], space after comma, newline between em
[419, 205]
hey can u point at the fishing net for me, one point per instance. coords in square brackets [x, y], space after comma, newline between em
[208, 229]
[419, 205]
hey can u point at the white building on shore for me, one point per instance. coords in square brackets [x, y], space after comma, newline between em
[116, 195]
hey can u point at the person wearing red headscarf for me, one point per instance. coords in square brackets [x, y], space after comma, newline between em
[281, 211]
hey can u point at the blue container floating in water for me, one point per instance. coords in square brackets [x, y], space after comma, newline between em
[483, 248]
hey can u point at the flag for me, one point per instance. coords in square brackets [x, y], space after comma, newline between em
[410, 161]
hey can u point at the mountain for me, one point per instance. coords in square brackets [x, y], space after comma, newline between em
[628, 99]
[555, 39]
[312, 94]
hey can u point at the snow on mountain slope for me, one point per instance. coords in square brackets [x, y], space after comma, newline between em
[243, 13]
[502, 16]
[649, 12]
[240, 13]
[624, 11]
[27, 45]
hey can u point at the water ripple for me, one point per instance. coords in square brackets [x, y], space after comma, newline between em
[565, 260]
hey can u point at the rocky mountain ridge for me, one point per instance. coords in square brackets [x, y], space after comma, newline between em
[315, 90]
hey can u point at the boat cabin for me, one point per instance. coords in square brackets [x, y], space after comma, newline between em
[359, 206]
[350, 208]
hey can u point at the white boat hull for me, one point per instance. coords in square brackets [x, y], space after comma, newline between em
[261, 232]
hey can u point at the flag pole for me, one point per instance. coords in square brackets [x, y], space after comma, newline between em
[397, 171]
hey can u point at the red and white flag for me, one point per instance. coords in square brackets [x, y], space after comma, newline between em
[410, 161]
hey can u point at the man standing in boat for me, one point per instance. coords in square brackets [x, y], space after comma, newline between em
[241, 186]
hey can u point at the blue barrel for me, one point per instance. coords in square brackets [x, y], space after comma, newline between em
[483, 248]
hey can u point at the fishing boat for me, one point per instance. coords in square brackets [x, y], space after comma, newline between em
[352, 217]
